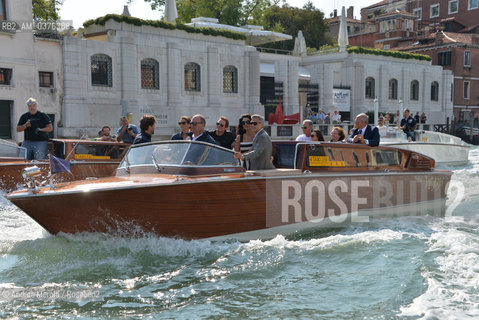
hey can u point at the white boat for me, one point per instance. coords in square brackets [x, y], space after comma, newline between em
[443, 148]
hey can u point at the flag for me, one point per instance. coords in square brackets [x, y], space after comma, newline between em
[278, 114]
[59, 165]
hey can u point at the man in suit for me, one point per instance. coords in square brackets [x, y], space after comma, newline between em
[198, 123]
[363, 132]
[260, 156]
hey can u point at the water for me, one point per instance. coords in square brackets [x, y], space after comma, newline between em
[404, 268]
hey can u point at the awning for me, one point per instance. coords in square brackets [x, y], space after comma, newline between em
[303, 73]
[267, 69]
[255, 34]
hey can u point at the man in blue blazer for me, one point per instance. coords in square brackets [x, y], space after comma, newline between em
[363, 132]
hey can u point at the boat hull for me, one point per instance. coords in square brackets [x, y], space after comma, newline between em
[238, 206]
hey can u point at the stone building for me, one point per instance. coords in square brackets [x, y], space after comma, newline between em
[119, 68]
[30, 66]
[394, 83]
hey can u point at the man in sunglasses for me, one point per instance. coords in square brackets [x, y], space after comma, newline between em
[198, 123]
[307, 130]
[223, 137]
[260, 156]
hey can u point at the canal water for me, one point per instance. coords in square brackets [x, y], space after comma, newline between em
[403, 268]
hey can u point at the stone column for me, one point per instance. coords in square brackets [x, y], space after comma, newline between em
[292, 88]
[214, 76]
[253, 75]
[174, 75]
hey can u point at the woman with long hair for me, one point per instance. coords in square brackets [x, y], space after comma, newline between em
[244, 135]
[316, 135]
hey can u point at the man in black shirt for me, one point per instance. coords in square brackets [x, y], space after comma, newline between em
[408, 124]
[147, 126]
[223, 137]
[36, 126]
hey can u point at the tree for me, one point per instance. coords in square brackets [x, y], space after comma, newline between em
[46, 9]
[290, 20]
[232, 12]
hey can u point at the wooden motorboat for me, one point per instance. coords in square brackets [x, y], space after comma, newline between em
[443, 148]
[197, 190]
[87, 159]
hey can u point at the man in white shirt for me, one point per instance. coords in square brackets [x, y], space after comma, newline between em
[381, 126]
[307, 130]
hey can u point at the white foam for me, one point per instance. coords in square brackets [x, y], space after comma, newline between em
[452, 286]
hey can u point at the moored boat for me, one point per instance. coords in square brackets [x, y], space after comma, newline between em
[197, 190]
[87, 159]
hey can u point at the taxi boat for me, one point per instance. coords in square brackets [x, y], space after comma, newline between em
[444, 148]
[194, 190]
[87, 159]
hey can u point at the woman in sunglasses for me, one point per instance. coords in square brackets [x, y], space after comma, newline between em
[316, 135]
[244, 135]
[185, 133]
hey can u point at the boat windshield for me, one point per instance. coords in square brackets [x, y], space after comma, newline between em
[179, 153]
[11, 150]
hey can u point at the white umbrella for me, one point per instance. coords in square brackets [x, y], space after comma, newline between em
[170, 11]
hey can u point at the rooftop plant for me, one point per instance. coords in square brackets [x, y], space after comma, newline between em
[389, 53]
[165, 25]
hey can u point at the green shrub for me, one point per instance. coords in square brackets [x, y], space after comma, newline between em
[388, 53]
[166, 25]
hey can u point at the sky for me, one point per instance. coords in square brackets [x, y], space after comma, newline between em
[80, 11]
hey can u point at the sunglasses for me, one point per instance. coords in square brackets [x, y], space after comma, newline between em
[219, 124]
[181, 123]
[313, 135]
[245, 122]
[254, 123]
[194, 123]
[304, 127]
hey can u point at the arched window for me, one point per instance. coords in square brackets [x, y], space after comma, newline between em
[192, 77]
[434, 91]
[230, 79]
[370, 84]
[393, 89]
[414, 90]
[150, 74]
[101, 70]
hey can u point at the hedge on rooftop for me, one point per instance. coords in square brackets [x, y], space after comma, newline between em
[165, 25]
[395, 54]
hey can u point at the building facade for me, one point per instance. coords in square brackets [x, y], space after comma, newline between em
[458, 52]
[122, 69]
[393, 83]
[30, 66]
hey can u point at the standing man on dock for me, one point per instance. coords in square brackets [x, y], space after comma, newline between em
[36, 126]
[127, 132]
[408, 124]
